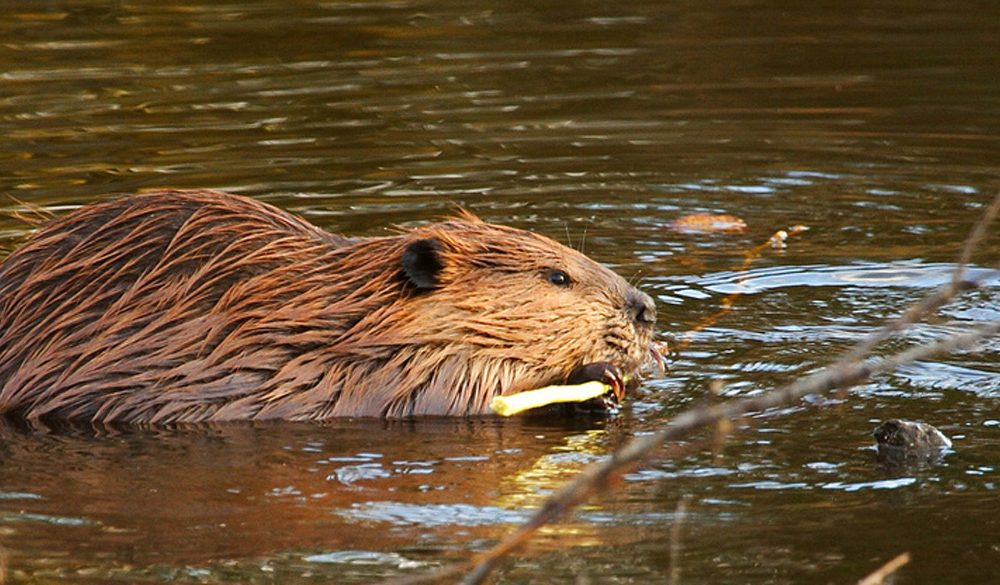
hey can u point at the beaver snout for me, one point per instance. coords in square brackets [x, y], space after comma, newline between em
[641, 308]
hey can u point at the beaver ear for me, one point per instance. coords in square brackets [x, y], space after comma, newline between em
[422, 263]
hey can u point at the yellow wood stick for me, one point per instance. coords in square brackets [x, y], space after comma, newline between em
[514, 403]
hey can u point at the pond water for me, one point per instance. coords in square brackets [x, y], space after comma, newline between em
[875, 124]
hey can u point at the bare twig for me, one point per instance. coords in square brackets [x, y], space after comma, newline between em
[977, 235]
[878, 577]
[727, 303]
[600, 474]
[935, 300]
[675, 539]
[853, 368]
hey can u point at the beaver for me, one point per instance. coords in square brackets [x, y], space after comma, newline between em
[199, 305]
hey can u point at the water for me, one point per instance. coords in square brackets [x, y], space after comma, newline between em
[878, 126]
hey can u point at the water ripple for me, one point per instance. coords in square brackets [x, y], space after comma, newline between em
[903, 274]
[432, 515]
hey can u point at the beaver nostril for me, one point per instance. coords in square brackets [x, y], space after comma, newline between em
[640, 307]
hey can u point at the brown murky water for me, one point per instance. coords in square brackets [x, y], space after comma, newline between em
[878, 125]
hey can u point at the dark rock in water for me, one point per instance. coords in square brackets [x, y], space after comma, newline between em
[901, 441]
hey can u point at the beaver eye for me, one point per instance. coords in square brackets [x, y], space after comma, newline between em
[558, 278]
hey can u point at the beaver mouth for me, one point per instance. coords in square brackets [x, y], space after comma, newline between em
[604, 371]
[619, 378]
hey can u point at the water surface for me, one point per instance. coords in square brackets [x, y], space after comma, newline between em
[878, 126]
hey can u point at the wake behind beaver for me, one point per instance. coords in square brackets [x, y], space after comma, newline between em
[188, 306]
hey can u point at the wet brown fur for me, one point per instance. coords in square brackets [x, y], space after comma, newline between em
[204, 306]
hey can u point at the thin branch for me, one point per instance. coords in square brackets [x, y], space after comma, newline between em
[729, 301]
[879, 575]
[675, 539]
[597, 476]
[937, 299]
[638, 450]
[852, 369]
[977, 235]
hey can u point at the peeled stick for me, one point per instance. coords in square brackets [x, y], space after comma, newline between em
[514, 403]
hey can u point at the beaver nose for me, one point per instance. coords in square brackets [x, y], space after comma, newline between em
[640, 307]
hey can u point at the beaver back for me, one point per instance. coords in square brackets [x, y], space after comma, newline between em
[200, 305]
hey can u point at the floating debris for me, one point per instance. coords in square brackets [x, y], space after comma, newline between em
[902, 441]
[708, 223]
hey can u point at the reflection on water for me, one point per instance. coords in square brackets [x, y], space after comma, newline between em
[877, 126]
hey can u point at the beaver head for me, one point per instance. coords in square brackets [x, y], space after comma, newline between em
[192, 306]
[491, 310]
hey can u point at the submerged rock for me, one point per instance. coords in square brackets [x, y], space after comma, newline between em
[903, 441]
